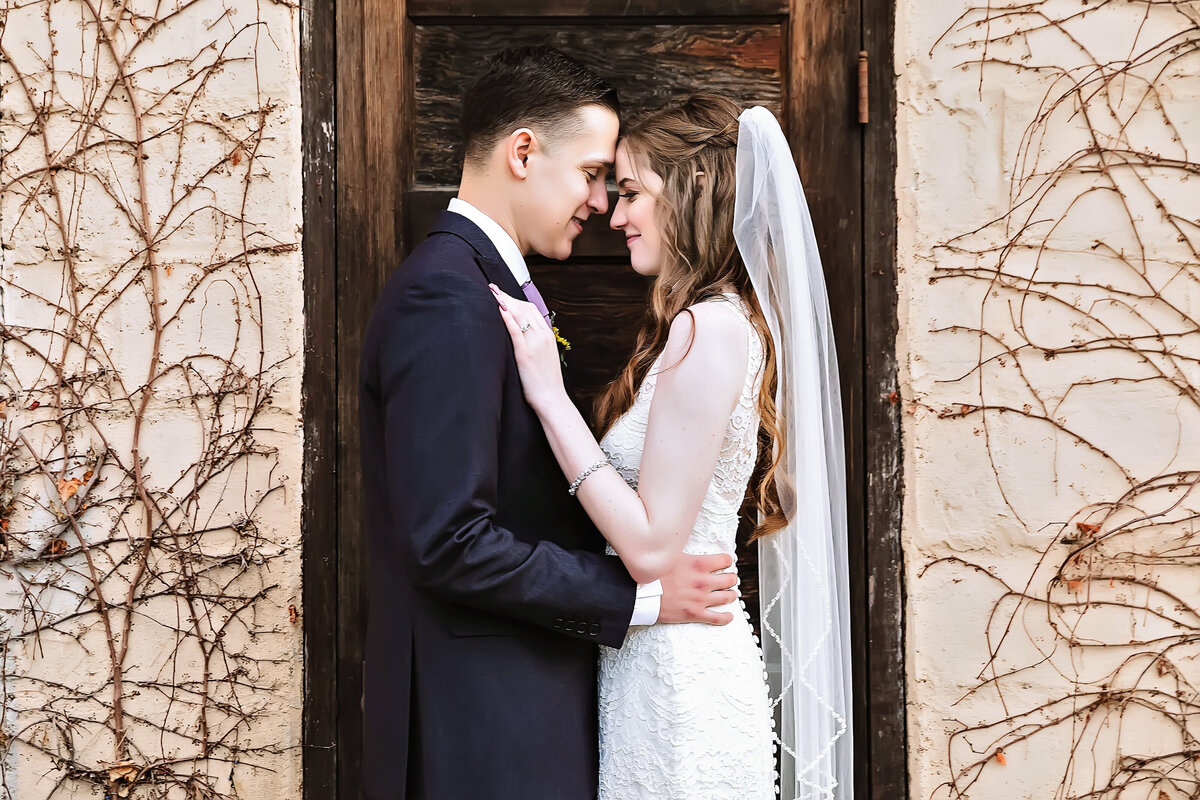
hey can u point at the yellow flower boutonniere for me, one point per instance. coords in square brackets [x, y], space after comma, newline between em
[563, 344]
[559, 338]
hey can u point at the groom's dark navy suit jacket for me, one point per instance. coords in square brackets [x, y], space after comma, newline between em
[489, 590]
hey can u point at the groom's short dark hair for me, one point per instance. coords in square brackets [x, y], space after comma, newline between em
[535, 87]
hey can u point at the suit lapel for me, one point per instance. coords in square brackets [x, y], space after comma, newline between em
[489, 260]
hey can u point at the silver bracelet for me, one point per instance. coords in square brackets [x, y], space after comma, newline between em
[583, 475]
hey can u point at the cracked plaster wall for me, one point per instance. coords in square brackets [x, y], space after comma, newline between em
[217, 85]
[993, 491]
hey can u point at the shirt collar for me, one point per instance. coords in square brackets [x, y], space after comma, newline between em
[499, 237]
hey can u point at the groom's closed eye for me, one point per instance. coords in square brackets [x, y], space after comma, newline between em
[596, 171]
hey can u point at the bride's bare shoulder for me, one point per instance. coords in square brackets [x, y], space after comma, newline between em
[708, 336]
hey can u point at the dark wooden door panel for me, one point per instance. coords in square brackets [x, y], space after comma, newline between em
[648, 65]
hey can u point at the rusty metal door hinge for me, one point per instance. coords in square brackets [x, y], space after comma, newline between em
[863, 93]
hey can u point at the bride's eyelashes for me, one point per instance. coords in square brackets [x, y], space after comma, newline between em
[627, 195]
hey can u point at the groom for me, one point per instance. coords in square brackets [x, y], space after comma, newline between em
[489, 590]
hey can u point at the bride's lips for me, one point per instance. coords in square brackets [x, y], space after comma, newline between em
[630, 239]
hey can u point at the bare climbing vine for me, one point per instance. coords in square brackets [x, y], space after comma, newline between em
[145, 618]
[1088, 326]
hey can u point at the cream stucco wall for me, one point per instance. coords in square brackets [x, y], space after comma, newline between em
[150, 439]
[1050, 382]
[1049, 223]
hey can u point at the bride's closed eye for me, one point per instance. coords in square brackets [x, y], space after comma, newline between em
[628, 195]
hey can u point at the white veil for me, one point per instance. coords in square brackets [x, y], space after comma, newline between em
[803, 569]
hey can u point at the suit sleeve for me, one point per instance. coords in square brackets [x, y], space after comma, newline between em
[442, 366]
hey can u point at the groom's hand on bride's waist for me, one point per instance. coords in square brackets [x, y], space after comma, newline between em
[695, 586]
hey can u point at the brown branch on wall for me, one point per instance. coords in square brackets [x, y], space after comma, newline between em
[1099, 642]
[134, 330]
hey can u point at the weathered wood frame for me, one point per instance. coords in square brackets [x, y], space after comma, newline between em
[883, 487]
[353, 228]
[318, 59]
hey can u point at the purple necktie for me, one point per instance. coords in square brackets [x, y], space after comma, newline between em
[535, 297]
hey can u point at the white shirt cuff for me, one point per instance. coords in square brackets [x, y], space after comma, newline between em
[647, 604]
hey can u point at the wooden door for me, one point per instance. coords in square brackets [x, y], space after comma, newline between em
[384, 159]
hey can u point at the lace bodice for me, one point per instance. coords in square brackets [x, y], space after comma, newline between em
[716, 525]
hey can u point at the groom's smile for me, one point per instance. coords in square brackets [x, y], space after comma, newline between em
[564, 181]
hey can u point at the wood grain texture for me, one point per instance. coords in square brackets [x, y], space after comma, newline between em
[595, 8]
[648, 65]
[319, 402]
[374, 165]
[821, 101]
[886, 723]
[353, 202]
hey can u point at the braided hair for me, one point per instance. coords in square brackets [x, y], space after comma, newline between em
[692, 146]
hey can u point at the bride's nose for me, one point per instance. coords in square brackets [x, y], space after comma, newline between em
[617, 221]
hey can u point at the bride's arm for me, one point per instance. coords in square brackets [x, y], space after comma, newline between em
[704, 369]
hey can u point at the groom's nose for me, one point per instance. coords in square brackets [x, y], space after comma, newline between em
[598, 197]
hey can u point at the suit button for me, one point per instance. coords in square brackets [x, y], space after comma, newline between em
[594, 630]
[558, 623]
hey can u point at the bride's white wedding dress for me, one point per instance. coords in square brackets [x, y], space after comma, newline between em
[684, 709]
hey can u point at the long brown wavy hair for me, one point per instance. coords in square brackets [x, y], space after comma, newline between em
[692, 146]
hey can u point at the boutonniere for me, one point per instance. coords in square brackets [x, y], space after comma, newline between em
[563, 344]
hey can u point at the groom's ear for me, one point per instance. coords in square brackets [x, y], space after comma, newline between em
[519, 144]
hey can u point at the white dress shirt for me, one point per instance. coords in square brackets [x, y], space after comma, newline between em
[649, 596]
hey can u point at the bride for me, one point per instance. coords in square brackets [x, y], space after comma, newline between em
[737, 353]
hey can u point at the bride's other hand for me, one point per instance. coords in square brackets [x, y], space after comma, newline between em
[536, 350]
